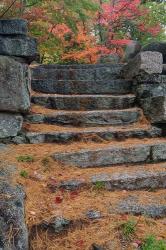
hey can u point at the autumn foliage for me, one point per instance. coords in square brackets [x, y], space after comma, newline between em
[82, 30]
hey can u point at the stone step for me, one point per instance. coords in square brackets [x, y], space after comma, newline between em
[88, 118]
[77, 72]
[130, 178]
[84, 102]
[129, 152]
[60, 134]
[53, 86]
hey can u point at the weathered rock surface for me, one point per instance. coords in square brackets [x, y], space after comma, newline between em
[126, 180]
[55, 225]
[131, 205]
[112, 155]
[51, 86]
[13, 27]
[157, 46]
[14, 85]
[88, 118]
[155, 108]
[84, 102]
[80, 72]
[10, 124]
[132, 181]
[13, 230]
[145, 63]
[20, 46]
[91, 134]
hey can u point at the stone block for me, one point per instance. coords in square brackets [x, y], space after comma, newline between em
[145, 63]
[157, 46]
[155, 108]
[12, 215]
[14, 85]
[10, 125]
[13, 27]
[20, 46]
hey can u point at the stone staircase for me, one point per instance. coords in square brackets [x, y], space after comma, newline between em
[88, 121]
[95, 112]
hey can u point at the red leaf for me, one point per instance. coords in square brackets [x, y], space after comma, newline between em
[58, 199]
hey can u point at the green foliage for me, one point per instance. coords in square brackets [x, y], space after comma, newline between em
[151, 243]
[24, 174]
[99, 185]
[128, 229]
[25, 158]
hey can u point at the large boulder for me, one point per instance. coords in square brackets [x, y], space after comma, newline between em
[145, 63]
[20, 46]
[14, 85]
[13, 230]
[156, 46]
[10, 125]
[13, 27]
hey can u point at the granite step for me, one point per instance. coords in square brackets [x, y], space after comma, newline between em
[114, 153]
[77, 72]
[58, 134]
[84, 102]
[88, 118]
[53, 86]
[146, 177]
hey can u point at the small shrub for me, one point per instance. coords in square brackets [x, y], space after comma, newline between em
[24, 174]
[151, 243]
[99, 185]
[25, 158]
[128, 229]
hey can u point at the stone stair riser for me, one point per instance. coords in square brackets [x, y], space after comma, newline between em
[85, 102]
[85, 119]
[107, 156]
[52, 86]
[65, 137]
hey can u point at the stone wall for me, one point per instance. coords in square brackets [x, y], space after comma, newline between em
[149, 83]
[17, 50]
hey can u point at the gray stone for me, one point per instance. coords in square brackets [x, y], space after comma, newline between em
[132, 49]
[132, 181]
[10, 124]
[51, 86]
[97, 247]
[14, 85]
[145, 63]
[112, 155]
[84, 102]
[21, 46]
[105, 156]
[13, 27]
[93, 214]
[128, 206]
[146, 90]
[159, 152]
[88, 118]
[56, 224]
[13, 230]
[77, 73]
[156, 46]
[91, 134]
[155, 108]
[71, 184]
